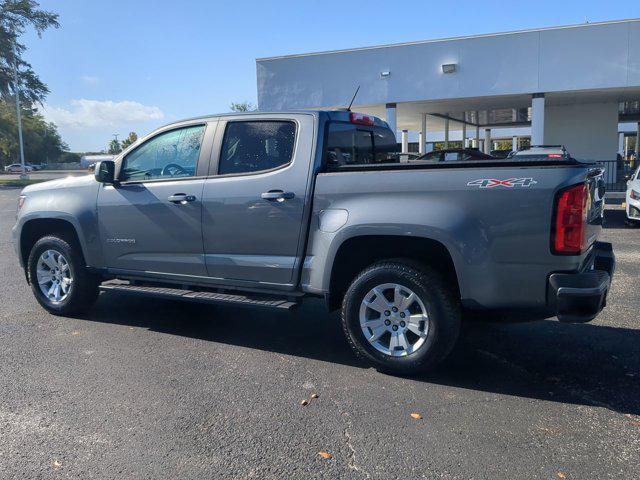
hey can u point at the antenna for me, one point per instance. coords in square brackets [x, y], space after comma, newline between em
[354, 97]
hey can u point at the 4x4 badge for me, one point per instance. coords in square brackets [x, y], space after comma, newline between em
[508, 183]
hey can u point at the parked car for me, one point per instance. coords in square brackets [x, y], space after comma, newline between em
[17, 168]
[36, 166]
[632, 207]
[261, 210]
[500, 153]
[541, 152]
[454, 155]
[402, 157]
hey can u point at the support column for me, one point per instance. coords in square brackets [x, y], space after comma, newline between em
[422, 147]
[405, 141]
[626, 147]
[537, 119]
[446, 133]
[392, 118]
[476, 143]
[621, 143]
[637, 141]
[487, 140]
[514, 143]
[464, 135]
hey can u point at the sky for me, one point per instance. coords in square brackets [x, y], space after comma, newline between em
[120, 66]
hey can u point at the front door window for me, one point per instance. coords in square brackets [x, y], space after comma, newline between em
[171, 154]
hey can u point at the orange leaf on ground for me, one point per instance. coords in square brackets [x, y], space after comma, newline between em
[561, 475]
[417, 416]
[325, 455]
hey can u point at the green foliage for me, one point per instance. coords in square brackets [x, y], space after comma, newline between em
[452, 144]
[16, 182]
[15, 17]
[42, 142]
[504, 145]
[114, 147]
[242, 107]
[133, 136]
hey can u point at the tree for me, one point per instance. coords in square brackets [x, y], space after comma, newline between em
[114, 147]
[133, 136]
[242, 107]
[15, 17]
[42, 141]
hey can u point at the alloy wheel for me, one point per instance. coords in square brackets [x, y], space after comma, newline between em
[394, 319]
[54, 276]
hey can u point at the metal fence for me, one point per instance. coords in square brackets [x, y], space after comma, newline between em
[615, 173]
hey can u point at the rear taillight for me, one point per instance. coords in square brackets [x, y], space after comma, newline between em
[361, 119]
[554, 155]
[570, 220]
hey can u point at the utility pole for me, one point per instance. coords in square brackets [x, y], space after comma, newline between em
[16, 89]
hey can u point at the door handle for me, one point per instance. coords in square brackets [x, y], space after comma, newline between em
[278, 195]
[181, 198]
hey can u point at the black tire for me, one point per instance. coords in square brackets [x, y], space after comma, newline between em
[442, 305]
[84, 290]
[631, 223]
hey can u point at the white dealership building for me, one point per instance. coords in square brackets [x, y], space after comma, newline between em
[578, 86]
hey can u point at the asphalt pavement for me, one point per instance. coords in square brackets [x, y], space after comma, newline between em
[142, 388]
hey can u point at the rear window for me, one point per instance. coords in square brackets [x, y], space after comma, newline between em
[352, 145]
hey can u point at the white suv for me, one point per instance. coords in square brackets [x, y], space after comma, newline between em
[633, 197]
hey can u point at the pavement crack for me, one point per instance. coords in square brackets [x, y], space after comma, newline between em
[352, 463]
[352, 455]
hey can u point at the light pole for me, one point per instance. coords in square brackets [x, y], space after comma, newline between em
[16, 90]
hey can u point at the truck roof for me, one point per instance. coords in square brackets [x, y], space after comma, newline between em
[341, 115]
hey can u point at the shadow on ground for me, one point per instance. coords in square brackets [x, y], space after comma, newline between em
[584, 364]
[617, 219]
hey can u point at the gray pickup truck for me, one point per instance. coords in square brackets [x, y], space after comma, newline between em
[266, 209]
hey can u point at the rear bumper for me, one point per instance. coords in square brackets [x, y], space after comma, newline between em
[579, 297]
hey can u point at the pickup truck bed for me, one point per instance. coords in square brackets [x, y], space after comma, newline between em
[498, 238]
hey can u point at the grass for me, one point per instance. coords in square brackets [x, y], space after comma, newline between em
[16, 182]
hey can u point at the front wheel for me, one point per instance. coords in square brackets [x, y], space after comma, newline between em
[59, 278]
[400, 318]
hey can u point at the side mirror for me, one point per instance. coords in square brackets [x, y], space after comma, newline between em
[104, 171]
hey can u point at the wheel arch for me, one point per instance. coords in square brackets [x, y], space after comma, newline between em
[356, 253]
[34, 229]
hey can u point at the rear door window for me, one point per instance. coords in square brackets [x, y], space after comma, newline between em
[255, 146]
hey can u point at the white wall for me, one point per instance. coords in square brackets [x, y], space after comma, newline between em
[588, 130]
[585, 57]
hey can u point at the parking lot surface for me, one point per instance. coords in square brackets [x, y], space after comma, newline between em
[154, 389]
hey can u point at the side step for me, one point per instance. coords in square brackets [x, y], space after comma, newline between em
[245, 300]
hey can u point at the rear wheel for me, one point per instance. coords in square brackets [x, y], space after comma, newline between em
[59, 277]
[401, 318]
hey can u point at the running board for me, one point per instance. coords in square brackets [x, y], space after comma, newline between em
[248, 300]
